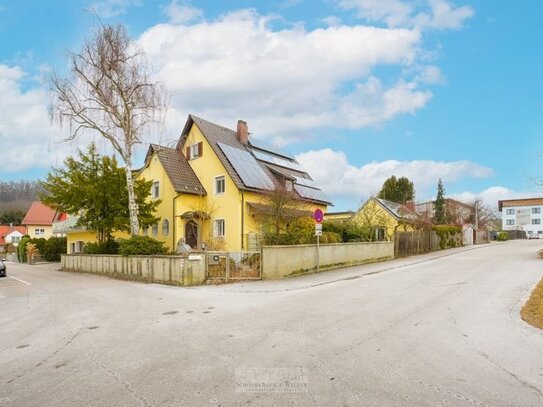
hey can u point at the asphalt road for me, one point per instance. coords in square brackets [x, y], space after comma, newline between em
[424, 331]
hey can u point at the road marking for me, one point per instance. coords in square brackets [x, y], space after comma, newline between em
[22, 281]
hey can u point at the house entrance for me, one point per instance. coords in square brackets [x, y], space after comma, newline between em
[191, 234]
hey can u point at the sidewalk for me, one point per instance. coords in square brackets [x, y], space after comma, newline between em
[332, 276]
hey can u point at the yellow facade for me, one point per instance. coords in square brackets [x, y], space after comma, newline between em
[374, 215]
[178, 209]
[76, 240]
[230, 205]
[37, 231]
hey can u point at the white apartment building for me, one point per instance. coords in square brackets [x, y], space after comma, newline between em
[522, 214]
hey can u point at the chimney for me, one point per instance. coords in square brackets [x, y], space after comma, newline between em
[11, 226]
[243, 132]
[410, 205]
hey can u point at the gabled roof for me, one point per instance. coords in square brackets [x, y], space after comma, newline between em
[399, 211]
[216, 134]
[39, 214]
[6, 230]
[178, 170]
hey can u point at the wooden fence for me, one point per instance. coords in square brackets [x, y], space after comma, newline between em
[417, 242]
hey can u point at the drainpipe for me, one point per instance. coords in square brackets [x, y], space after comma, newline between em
[242, 219]
[174, 225]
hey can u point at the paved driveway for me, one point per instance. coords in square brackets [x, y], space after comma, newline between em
[425, 331]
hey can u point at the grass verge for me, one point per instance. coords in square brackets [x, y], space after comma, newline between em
[532, 312]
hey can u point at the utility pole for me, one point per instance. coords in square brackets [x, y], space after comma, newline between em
[476, 216]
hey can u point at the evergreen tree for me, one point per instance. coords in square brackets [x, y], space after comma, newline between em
[440, 215]
[398, 190]
[94, 188]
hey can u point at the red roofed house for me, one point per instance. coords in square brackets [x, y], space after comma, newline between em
[39, 220]
[11, 234]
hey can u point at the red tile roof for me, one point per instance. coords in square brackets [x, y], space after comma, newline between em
[39, 214]
[6, 230]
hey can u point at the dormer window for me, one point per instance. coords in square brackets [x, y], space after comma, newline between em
[194, 151]
[288, 185]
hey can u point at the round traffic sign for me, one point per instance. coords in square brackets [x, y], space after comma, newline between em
[318, 215]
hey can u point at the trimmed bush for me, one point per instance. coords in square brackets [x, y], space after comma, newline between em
[110, 246]
[21, 249]
[502, 236]
[54, 247]
[141, 245]
[449, 236]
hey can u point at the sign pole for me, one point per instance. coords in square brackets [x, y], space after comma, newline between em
[319, 217]
[318, 257]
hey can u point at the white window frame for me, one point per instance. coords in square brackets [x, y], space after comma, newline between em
[217, 232]
[536, 221]
[536, 211]
[194, 151]
[289, 185]
[510, 211]
[215, 184]
[39, 232]
[155, 229]
[165, 227]
[510, 222]
[155, 189]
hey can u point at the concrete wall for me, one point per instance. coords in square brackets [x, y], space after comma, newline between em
[179, 270]
[282, 261]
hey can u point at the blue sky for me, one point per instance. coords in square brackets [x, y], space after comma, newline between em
[358, 89]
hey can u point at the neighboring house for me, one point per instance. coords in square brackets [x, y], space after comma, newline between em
[339, 216]
[213, 187]
[522, 214]
[459, 213]
[77, 236]
[10, 234]
[39, 220]
[386, 217]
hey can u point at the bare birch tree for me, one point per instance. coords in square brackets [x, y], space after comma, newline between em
[109, 91]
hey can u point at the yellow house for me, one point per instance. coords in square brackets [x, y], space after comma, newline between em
[338, 216]
[39, 220]
[213, 186]
[386, 217]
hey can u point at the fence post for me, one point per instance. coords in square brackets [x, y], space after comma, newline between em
[227, 266]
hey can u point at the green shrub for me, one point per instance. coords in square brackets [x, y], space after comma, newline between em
[21, 249]
[330, 237]
[54, 247]
[39, 242]
[502, 236]
[110, 246]
[141, 245]
[448, 235]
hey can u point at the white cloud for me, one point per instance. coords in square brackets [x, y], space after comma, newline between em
[285, 82]
[180, 13]
[437, 14]
[492, 195]
[112, 8]
[28, 138]
[349, 181]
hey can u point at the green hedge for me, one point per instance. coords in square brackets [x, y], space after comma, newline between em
[54, 247]
[502, 236]
[141, 245]
[448, 236]
[110, 246]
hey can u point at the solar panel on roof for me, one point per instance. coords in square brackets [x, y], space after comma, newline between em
[311, 193]
[282, 162]
[261, 145]
[248, 169]
[306, 182]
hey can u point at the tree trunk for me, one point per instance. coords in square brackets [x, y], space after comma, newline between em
[132, 204]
